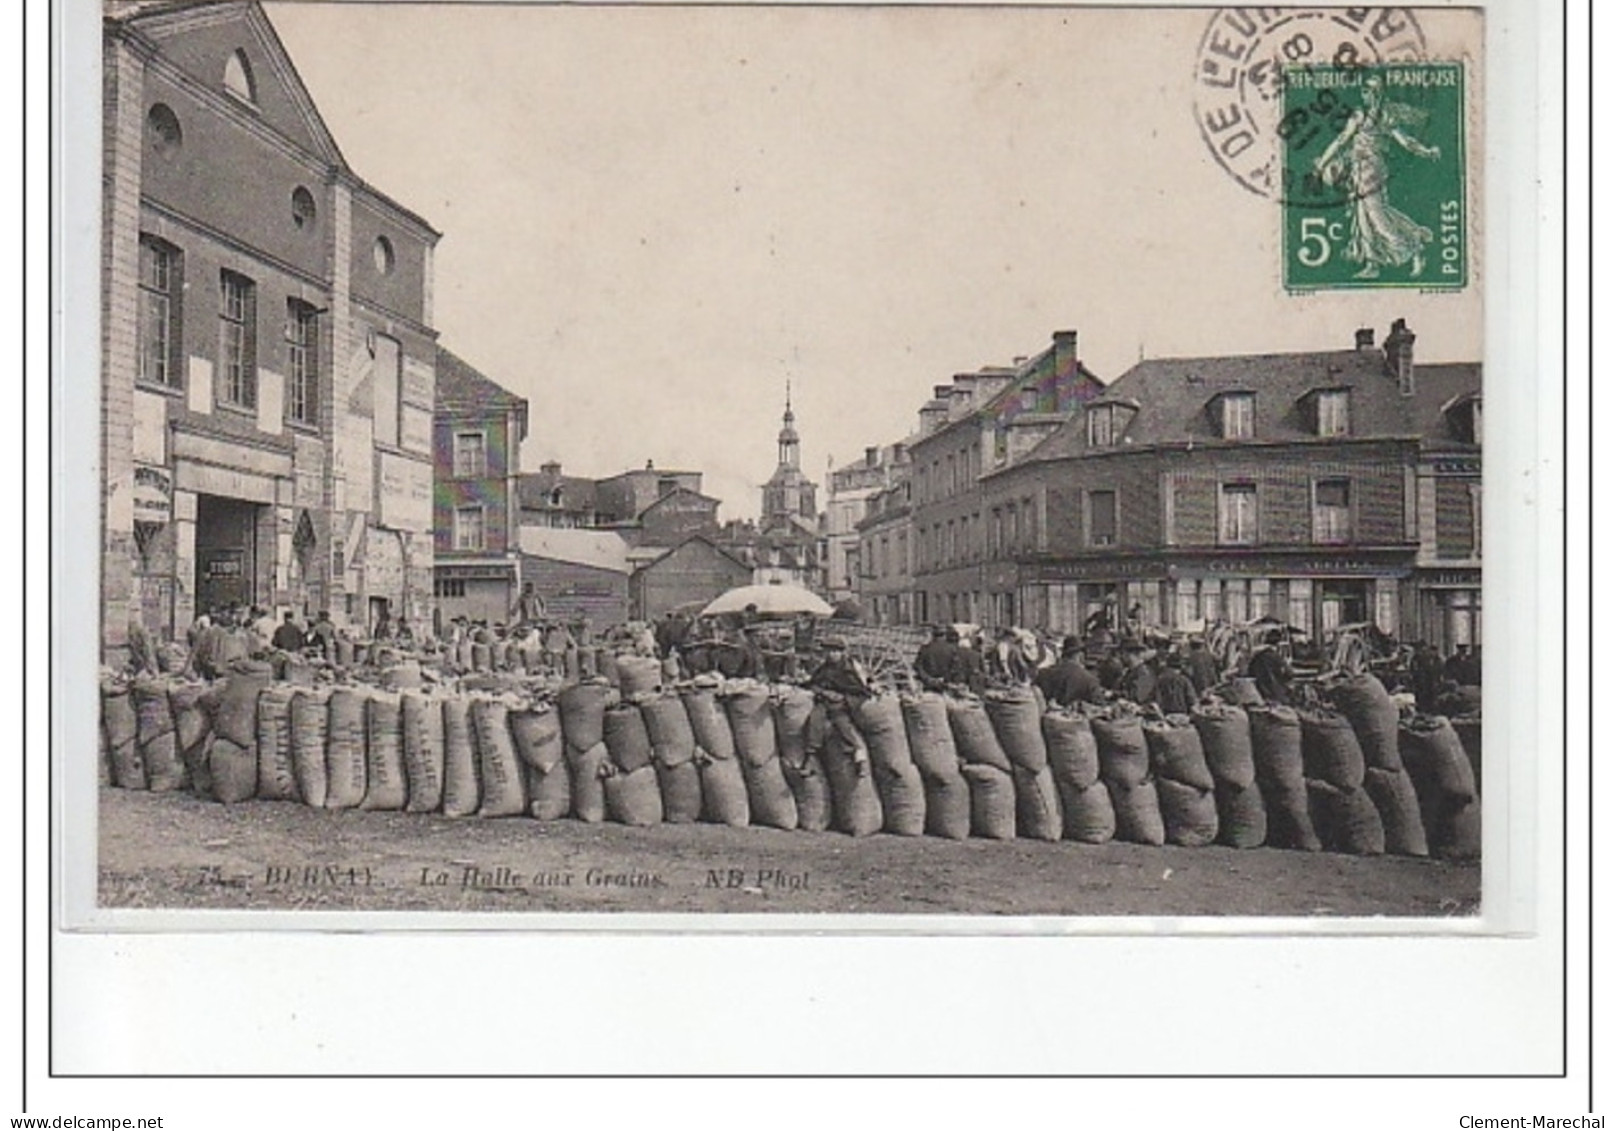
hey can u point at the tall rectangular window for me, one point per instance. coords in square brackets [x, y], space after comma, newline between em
[1334, 413]
[468, 528]
[1101, 431]
[302, 363]
[470, 455]
[1030, 512]
[1101, 518]
[1188, 602]
[238, 367]
[159, 332]
[385, 377]
[1236, 519]
[1331, 511]
[1238, 416]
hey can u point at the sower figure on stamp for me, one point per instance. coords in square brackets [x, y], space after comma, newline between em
[1380, 235]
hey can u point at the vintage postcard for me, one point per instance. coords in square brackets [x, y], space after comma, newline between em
[924, 465]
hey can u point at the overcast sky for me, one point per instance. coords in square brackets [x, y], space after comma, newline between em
[654, 216]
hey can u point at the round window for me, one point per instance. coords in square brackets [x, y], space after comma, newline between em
[383, 253]
[302, 208]
[163, 134]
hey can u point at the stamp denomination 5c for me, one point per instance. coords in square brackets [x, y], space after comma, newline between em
[1378, 153]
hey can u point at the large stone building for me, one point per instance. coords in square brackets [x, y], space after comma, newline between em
[1320, 489]
[885, 581]
[268, 356]
[478, 428]
[980, 424]
[849, 492]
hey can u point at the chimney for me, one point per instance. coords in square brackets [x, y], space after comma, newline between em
[1365, 338]
[1399, 356]
[871, 457]
[1065, 349]
[551, 467]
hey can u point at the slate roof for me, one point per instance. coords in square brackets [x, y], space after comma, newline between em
[677, 492]
[1174, 399]
[601, 549]
[719, 550]
[461, 388]
[533, 490]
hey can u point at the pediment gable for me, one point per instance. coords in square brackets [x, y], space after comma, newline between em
[213, 44]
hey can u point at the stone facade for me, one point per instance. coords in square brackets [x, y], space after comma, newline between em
[267, 354]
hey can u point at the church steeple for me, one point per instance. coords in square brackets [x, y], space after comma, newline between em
[789, 443]
[789, 496]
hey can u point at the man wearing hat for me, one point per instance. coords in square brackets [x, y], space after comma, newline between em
[1174, 691]
[935, 659]
[1069, 680]
[838, 671]
[1138, 681]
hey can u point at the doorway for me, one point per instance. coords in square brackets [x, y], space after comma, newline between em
[226, 552]
[1341, 602]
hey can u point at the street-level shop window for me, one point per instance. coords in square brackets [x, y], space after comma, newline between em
[302, 362]
[448, 587]
[1300, 603]
[1334, 412]
[1236, 519]
[1331, 511]
[1261, 604]
[238, 367]
[1238, 416]
[468, 528]
[1101, 518]
[159, 310]
[470, 455]
[1188, 603]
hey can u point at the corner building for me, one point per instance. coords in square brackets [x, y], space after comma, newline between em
[1320, 489]
[268, 357]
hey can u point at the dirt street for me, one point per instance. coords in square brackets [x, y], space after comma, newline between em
[174, 850]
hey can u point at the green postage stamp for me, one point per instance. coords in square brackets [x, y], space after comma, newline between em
[1373, 175]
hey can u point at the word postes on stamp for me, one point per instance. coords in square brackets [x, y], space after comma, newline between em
[1376, 154]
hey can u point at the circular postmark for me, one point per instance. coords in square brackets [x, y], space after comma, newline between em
[1240, 78]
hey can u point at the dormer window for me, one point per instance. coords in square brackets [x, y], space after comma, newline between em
[1463, 418]
[238, 77]
[1334, 412]
[1107, 422]
[1237, 416]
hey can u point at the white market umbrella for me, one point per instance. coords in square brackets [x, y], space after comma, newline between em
[771, 600]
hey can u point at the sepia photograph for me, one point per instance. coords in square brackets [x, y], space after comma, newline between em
[790, 461]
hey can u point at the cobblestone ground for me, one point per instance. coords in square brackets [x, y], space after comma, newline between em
[175, 850]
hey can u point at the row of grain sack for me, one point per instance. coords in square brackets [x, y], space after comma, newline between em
[1351, 776]
[742, 752]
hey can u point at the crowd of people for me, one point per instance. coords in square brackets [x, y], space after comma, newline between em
[1169, 673]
